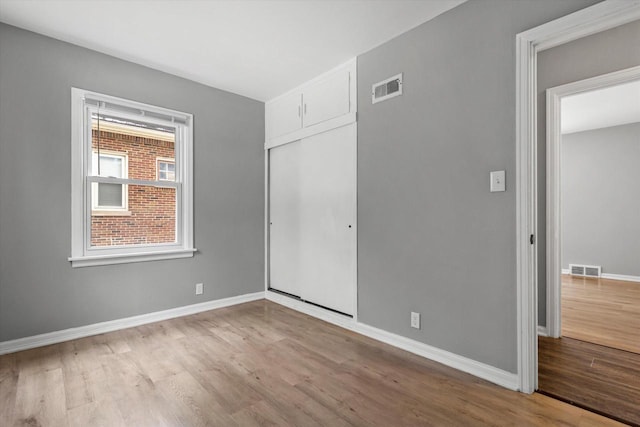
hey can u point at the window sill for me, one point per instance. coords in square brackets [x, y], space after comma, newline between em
[110, 213]
[88, 261]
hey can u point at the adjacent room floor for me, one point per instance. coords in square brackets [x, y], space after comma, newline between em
[602, 311]
[602, 379]
[254, 364]
[596, 364]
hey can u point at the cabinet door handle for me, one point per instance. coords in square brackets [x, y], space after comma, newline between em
[305, 108]
[298, 111]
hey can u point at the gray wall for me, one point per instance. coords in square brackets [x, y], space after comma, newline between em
[601, 199]
[39, 291]
[431, 237]
[601, 53]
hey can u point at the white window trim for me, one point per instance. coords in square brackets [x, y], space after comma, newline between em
[163, 160]
[82, 254]
[125, 188]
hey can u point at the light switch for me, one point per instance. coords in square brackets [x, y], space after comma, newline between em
[497, 181]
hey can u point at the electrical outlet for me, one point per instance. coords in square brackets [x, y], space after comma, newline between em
[415, 320]
[497, 181]
[199, 288]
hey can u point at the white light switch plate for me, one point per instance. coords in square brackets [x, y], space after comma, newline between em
[497, 181]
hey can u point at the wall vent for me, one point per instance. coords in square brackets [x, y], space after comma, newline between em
[585, 270]
[386, 89]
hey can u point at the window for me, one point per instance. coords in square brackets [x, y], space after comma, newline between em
[132, 196]
[104, 196]
[166, 169]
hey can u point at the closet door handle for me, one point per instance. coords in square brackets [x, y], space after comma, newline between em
[298, 111]
[305, 108]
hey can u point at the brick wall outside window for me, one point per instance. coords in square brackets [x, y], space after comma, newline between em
[151, 213]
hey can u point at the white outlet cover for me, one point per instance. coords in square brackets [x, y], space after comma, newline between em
[199, 288]
[415, 320]
[497, 181]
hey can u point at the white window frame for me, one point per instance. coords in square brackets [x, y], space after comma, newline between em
[83, 104]
[124, 206]
[163, 160]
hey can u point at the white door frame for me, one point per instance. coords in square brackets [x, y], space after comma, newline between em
[599, 17]
[554, 180]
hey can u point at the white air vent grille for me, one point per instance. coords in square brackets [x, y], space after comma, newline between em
[585, 270]
[386, 89]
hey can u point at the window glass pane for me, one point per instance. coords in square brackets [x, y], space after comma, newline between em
[110, 195]
[139, 144]
[150, 218]
[166, 171]
[111, 166]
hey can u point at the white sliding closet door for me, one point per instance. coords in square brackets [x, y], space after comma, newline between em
[284, 218]
[328, 209]
[316, 246]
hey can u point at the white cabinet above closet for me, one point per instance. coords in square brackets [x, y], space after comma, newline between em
[326, 99]
[324, 103]
[284, 115]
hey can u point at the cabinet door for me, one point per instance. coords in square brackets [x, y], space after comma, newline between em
[283, 115]
[327, 99]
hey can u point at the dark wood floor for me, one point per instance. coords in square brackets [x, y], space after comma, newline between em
[601, 378]
[255, 364]
[597, 362]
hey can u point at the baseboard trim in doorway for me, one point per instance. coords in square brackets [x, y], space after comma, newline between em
[127, 322]
[543, 331]
[481, 370]
[611, 276]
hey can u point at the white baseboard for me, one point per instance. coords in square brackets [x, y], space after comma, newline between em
[620, 277]
[114, 325]
[487, 372]
[481, 370]
[543, 331]
[612, 276]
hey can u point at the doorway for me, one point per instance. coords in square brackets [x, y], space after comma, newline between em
[592, 20]
[592, 139]
[592, 355]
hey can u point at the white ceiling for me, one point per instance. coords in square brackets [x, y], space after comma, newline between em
[612, 106]
[256, 48]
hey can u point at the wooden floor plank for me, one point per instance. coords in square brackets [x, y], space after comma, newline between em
[601, 311]
[8, 387]
[40, 399]
[96, 414]
[601, 378]
[255, 364]
[597, 362]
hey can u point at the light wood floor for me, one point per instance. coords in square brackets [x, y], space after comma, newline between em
[601, 311]
[254, 364]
